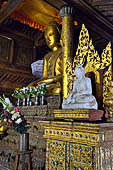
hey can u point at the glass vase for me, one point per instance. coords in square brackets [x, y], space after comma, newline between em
[24, 142]
[42, 100]
[18, 101]
[36, 100]
[28, 101]
[24, 99]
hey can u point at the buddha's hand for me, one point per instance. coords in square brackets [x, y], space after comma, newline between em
[76, 95]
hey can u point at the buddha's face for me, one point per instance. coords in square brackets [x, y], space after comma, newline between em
[52, 37]
[78, 72]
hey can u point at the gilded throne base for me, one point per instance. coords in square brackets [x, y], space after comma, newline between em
[78, 145]
[80, 114]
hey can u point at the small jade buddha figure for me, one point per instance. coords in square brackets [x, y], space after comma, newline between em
[81, 96]
[52, 68]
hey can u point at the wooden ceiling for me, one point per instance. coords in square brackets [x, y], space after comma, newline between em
[15, 27]
[104, 6]
[97, 15]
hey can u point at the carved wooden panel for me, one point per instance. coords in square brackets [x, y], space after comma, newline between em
[23, 54]
[4, 49]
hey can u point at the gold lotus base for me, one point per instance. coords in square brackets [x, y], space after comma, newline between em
[73, 145]
[79, 114]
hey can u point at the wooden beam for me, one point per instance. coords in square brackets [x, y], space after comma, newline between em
[7, 9]
[11, 31]
[94, 13]
[103, 2]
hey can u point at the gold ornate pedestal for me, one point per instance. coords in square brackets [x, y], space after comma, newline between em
[78, 145]
[80, 114]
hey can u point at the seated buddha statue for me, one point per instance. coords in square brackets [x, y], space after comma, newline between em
[81, 96]
[52, 67]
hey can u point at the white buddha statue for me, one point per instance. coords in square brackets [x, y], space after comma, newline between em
[81, 96]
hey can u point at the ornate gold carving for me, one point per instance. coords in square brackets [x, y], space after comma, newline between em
[108, 103]
[66, 135]
[72, 115]
[93, 56]
[80, 145]
[69, 114]
[106, 56]
[82, 49]
[62, 156]
[80, 114]
[82, 157]
[69, 71]
[67, 42]
[107, 81]
[106, 62]
[56, 155]
[89, 58]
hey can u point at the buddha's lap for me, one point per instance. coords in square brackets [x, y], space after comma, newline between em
[83, 98]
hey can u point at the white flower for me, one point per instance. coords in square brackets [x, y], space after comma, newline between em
[5, 120]
[30, 90]
[4, 106]
[15, 115]
[18, 120]
[23, 89]
[12, 112]
[42, 92]
[8, 102]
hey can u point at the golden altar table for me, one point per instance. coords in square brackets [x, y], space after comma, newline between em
[78, 145]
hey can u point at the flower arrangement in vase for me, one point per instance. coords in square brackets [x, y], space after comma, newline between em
[27, 92]
[19, 94]
[13, 116]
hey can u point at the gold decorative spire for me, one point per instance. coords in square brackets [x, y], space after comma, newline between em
[106, 56]
[88, 57]
[83, 46]
[106, 63]
[93, 56]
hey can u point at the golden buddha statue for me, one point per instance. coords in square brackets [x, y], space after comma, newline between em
[53, 65]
